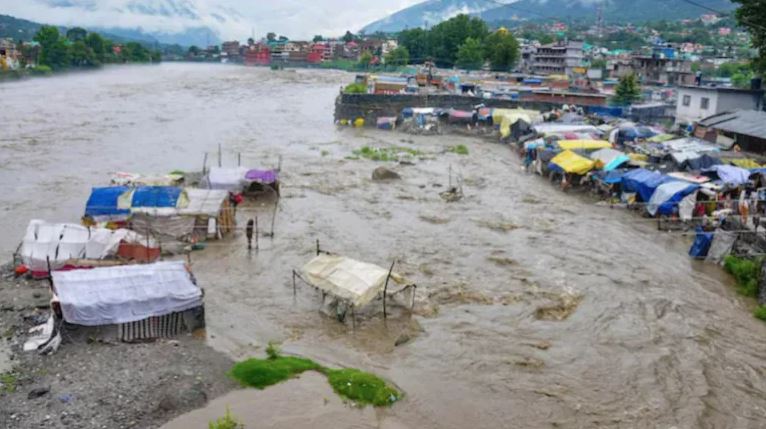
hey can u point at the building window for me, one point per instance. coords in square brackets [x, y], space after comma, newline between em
[687, 100]
[704, 103]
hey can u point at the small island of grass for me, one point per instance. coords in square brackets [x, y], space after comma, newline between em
[352, 384]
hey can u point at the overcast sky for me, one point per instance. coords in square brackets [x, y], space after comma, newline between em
[293, 18]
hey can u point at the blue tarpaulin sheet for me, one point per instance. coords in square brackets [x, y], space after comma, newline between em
[610, 177]
[103, 201]
[156, 196]
[666, 197]
[643, 182]
[605, 111]
[701, 244]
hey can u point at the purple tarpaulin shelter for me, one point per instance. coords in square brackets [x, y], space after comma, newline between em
[266, 177]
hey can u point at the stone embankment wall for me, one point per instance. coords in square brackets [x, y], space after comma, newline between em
[372, 106]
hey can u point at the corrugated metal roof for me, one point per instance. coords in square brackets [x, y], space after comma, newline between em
[748, 122]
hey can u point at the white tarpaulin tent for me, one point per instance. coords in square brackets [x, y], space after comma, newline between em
[204, 202]
[227, 179]
[128, 293]
[59, 242]
[348, 279]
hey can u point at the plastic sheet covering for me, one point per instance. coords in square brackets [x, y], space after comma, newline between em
[686, 207]
[204, 202]
[549, 128]
[731, 175]
[742, 162]
[723, 241]
[179, 227]
[227, 179]
[609, 159]
[103, 202]
[155, 196]
[58, 242]
[667, 196]
[573, 163]
[701, 245]
[583, 144]
[128, 293]
[349, 279]
[643, 182]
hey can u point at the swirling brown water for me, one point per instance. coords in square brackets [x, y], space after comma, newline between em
[655, 339]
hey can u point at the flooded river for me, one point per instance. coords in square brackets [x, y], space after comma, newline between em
[534, 308]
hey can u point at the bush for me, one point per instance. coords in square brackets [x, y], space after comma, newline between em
[226, 422]
[760, 313]
[746, 272]
[356, 88]
[41, 70]
[362, 387]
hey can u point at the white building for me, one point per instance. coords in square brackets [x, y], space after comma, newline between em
[698, 102]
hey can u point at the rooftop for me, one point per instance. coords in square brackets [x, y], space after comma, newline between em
[748, 122]
[723, 89]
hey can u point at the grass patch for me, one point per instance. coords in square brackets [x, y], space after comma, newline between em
[362, 387]
[261, 373]
[8, 382]
[460, 149]
[746, 272]
[760, 312]
[355, 385]
[395, 153]
[355, 88]
[226, 422]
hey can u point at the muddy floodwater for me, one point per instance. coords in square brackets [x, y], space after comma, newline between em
[534, 308]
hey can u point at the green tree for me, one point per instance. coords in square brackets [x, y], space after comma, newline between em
[365, 59]
[135, 52]
[501, 50]
[76, 34]
[194, 50]
[416, 43]
[80, 55]
[270, 36]
[96, 44]
[398, 57]
[628, 90]
[46, 36]
[348, 37]
[318, 38]
[470, 55]
[446, 37]
[58, 56]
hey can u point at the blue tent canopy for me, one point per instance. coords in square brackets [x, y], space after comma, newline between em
[643, 182]
[610, 177]
[666, 197]
[103, 201]
[156, 196]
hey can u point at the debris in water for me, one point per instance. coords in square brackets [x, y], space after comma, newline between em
[433, 218]
[452, 194]
[384, 174]
[529, 362]
[501, 260]
[566, 305]
[497, 225]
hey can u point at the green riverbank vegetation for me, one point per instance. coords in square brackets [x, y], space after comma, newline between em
[747, 274]
[77, 49]
[351, 384]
